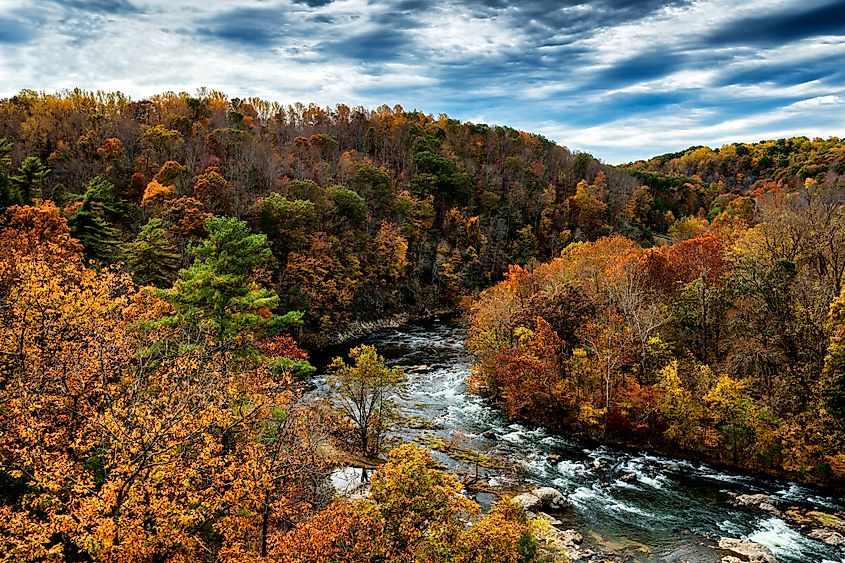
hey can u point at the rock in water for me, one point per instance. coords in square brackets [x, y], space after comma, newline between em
[545, 498]
[827, 536]
[527, 501]
[550, 499]
[629, 478]
[748, 551]
[566, 541]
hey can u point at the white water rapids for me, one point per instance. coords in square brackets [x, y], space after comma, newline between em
[675, 509]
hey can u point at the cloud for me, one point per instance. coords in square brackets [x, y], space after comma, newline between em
[245, 26]
[100, 6]
[622, 78]
[13, 31]
[644, 66]
[781, 27]
[378, 45]
[786, 72]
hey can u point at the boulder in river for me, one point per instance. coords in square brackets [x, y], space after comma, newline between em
[550, 498]
[829, 537]
[554, 459]
[545, 498]
[629, 478]
[761, 501]
[527, 501]
[745, 551]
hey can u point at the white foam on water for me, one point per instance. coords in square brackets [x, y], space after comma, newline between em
[620, 484]
[782, 539]
[582, 495]
[551, 440]
[571, 469]
[730, 527]
[635, 466]
[719, 476]
[514, 437]
[797, 493]
[655, 482]
[622, 507]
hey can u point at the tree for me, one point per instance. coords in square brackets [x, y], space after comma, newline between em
[287, 223]
[220, 294]
[153, 257]
[115, 449]
[373, 185]
[731, 411]
[29, 179]
[350, 209]
[91, 217]
[681, 411]
[215, 192]
[416, 513]
[364, 395]
[7, 196]
[834, 380]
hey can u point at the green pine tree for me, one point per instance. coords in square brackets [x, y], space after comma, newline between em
[153, 257]
[7, 195]
[29, 179]
[91, 223]
[219, 295]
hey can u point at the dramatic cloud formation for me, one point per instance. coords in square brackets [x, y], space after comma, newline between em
[623, 79]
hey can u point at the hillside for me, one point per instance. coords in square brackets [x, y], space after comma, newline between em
[368, 212]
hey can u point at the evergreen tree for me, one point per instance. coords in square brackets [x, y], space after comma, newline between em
[220, 294]
[7, 195]
[153, 257]
[27, 182]
[91, 223]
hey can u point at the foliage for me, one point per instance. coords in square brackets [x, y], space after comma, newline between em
[108, 453]
[91, 220]
[714, 344]
[364, 395]
[153, 257]
[416, 513]
[220, 296]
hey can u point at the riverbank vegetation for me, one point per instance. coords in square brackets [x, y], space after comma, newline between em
[725, 344]
[140, 424]
[368, 214]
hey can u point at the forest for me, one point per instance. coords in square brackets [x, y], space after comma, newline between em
[169, 265]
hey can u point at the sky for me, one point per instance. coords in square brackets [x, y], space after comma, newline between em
[621, 79]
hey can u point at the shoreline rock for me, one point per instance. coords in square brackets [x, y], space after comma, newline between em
[566, 541]
[829, 537]
[761, 501]
[745, 551]
[542, 498]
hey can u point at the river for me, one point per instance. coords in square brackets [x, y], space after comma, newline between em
[677, 510]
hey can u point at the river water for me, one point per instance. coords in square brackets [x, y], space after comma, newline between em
[674, 510]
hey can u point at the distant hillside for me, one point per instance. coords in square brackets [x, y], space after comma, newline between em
[704, 180]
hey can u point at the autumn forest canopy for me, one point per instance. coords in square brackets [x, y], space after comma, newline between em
[168, 264]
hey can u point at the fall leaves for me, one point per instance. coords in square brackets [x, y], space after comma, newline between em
[676, 345]
[168, 425]
[116, 443]
[416, 513]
